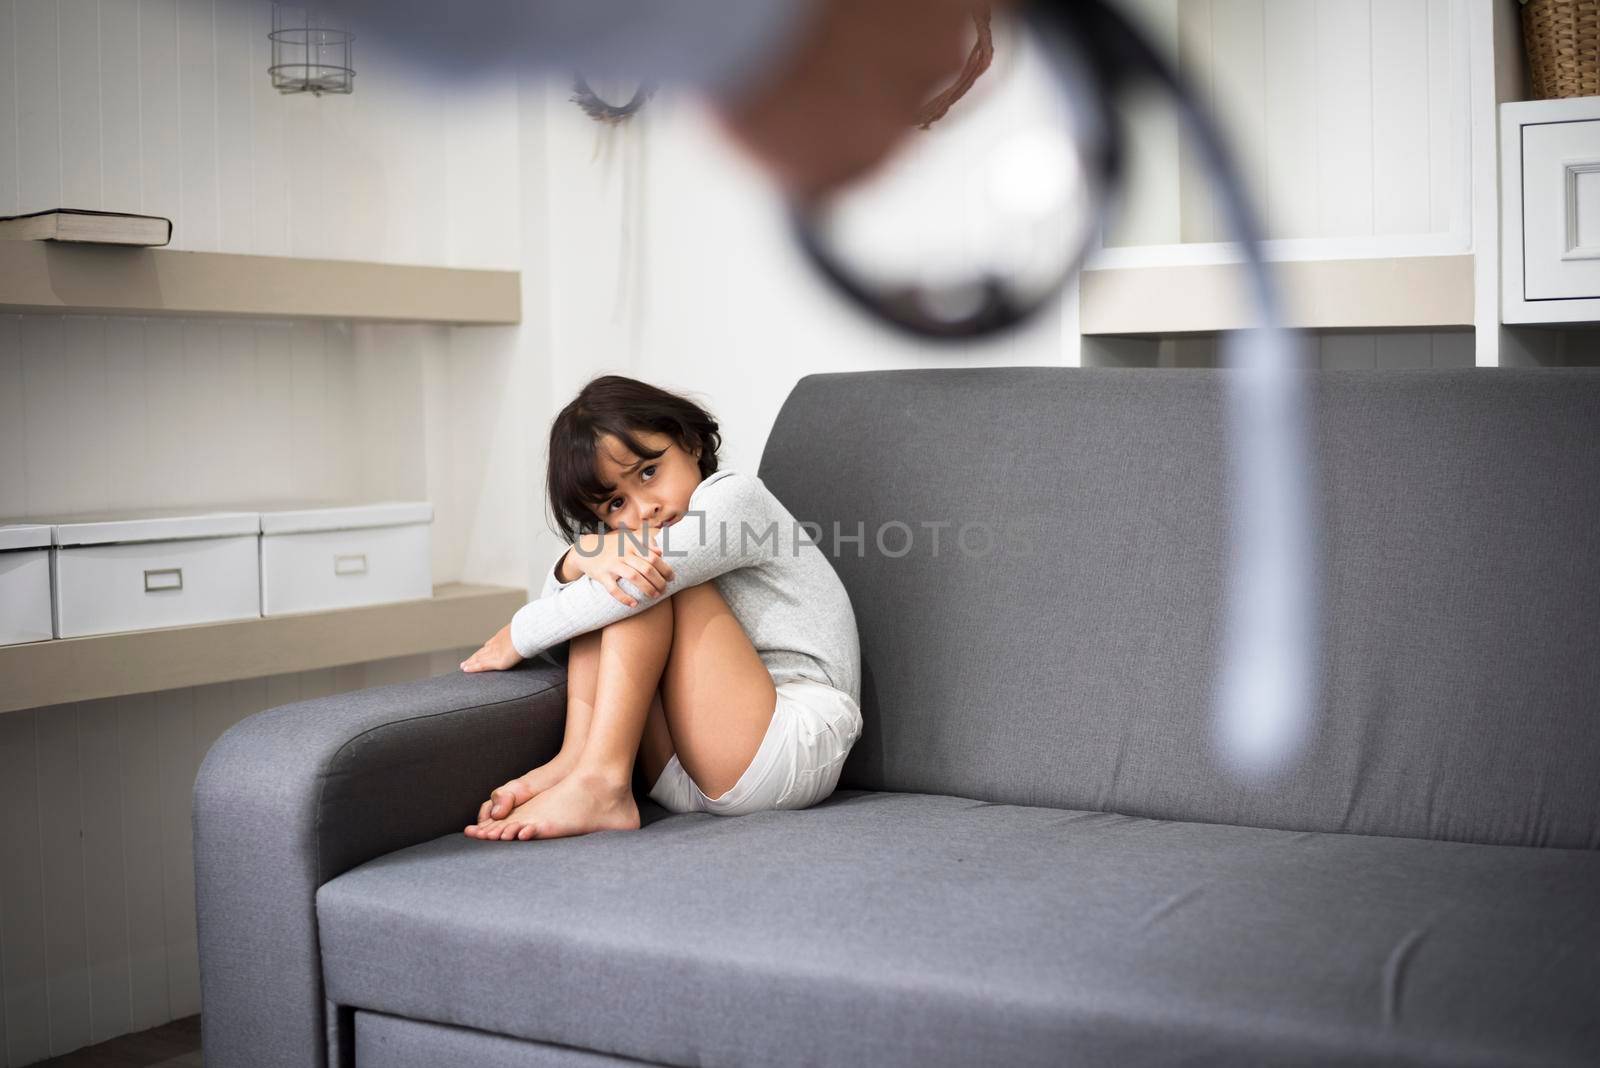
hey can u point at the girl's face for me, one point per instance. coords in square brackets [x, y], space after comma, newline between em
[644, 491]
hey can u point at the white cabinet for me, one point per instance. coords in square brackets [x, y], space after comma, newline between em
[24, 583]
[116, 573]
[321, 558]
[1550, 180]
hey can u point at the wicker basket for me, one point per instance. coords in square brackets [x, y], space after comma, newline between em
[1563, 42]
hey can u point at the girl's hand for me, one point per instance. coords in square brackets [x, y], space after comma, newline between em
[616, 555]
[497, 654]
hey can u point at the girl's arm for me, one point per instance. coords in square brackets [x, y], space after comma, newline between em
[565, 566]
[553, 582]
[733, 521]
[592, 544]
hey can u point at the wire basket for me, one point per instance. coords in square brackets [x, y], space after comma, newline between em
[1562, 38]
[311, 51]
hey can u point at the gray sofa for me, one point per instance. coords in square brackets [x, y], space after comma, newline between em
[1034, 856]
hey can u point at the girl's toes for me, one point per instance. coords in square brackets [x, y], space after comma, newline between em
[526, 832]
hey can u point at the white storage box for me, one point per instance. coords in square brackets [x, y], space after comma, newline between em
[25, 583]
[144, 570]
[319, 558]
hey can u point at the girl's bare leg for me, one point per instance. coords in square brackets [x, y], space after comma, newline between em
[717, 698]
[583, 673]
[597, 792]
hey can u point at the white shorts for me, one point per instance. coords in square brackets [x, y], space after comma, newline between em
[798, 764]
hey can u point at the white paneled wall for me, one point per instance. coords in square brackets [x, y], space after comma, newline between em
[728, 309]
[1347, 118]
[1396, 350]
[165, 107]
[97, 912]
[104, 412]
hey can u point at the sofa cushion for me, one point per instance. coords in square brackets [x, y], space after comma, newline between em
[882, 928]
[1458, 684]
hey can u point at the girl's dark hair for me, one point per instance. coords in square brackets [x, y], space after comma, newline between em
[617, 405]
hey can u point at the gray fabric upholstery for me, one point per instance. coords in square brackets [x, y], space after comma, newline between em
[395, 1042]
[1461, 512]
[291, 797]
[905, 929]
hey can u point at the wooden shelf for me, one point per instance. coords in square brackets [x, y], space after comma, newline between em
[110, 665]
[1390, 293]
[47, 276]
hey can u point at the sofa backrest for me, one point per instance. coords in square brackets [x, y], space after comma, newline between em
[1460, 619]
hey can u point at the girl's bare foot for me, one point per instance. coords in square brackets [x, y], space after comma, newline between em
[521, 790]
[578, 804]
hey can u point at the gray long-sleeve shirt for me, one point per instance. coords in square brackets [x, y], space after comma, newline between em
[780, 587]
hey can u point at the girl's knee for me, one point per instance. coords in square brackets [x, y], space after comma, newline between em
[657, 612]
[703, 595]
[583, 652]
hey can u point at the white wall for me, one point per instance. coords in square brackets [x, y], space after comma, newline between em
[97, 917]
[1347, 118]
[670, 261]
[164, 107]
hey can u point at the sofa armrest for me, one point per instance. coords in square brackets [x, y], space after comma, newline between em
[291, 797]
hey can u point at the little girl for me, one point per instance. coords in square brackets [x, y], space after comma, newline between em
[709, 637]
